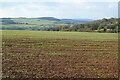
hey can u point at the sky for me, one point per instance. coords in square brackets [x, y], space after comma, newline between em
[78, 9]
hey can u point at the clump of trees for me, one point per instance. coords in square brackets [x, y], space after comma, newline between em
[104, 25]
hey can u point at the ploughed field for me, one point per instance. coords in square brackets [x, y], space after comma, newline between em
[41, 54]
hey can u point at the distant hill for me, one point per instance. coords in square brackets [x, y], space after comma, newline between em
[73, 21]
[49, 18]
[84, 19]
[66, 21]
[40, 23]
[7, 21]
[45, 19]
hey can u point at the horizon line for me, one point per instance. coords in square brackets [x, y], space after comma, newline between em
[60, 18]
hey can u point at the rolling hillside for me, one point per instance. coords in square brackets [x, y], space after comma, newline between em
[41, 23]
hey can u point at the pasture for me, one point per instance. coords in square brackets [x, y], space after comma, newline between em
[42, 54]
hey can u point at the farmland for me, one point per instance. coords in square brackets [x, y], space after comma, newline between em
[43, 54]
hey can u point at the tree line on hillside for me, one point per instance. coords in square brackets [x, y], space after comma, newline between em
[104, 25]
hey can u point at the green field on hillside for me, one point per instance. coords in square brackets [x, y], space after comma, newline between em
[32, 21]
[28, 24]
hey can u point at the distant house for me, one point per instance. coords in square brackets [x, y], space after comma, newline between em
[110, 30]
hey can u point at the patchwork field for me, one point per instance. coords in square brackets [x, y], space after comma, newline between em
[42, 54]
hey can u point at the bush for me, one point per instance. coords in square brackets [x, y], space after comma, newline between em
[101, 30]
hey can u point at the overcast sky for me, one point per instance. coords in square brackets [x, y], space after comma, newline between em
[85, 9]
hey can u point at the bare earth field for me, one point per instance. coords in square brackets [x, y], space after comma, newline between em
[30, 54]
